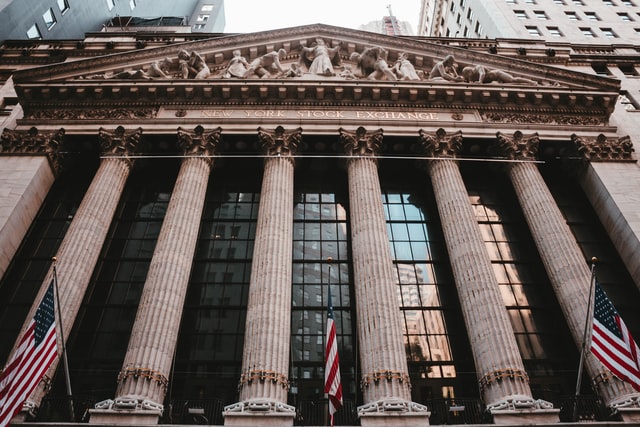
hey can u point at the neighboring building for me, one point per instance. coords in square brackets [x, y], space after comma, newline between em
[389, 25]
[193, 218]
[573, 21]
[68, 19]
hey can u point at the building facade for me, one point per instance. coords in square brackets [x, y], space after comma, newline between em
[575, 21]
[193, 192]
[65, 19]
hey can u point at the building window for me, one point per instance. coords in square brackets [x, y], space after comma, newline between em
[207, 8]
[63, 5]
[608, 32]
[591, 16]
[601, 69]
[627, 3]
[559, 2]
[627, 102]
[33, 33]
[578, 3]
[572, 16]
[530, 1]
[521, 14]
[511, 1]
[533, 31]
[608, 2]
[111, 4]
[203, 18]
[628, 69]
[132, 4]
[49, 19]
[587, 32]
[540, 14]
[199, 27]
[625, 17]
[554, 31]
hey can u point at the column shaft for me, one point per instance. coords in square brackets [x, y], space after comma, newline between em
[382, 352]
[495, 350]
[265, 363]
[153, 339]
[564, 263]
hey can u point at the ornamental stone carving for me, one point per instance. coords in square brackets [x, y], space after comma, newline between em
[280, 143]
[119, 143]
[518, 147]
[439, 144]
[199, 142]
[33, 141]
[603, 149]
[361, 143]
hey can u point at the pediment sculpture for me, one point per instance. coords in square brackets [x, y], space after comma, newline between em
[321, 60]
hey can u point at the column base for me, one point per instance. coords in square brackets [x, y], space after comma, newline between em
[523, 410]
[259, 412]
[393, 412]
[126, 411]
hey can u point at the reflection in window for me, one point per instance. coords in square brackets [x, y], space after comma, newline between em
[542, 336]
[422, 287]
[210, 344]
[49, 19]
[63, 6]
[319, 232]
[33, 33]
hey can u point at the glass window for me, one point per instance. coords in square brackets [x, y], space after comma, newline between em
[608, 32]
[530, 1]
[199, 27]
[554, 31]
[111, 4]
[540, 14]
[578, 2]
[572, 16]
[203, 18]
[625, 17]
[608, 2]
[49, 18]
[533, 31]
[592, 16]
[132, 4]
[521, 14]
[511, 1]
[628, 69]
[207, 8]
[587, 32]
[63, 5]
[601, 69]
[627, 3]
[33, 33]
[560, 2]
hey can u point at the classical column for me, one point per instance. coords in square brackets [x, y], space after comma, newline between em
[385, 376]
[80, 248]
[29, 162]
[143, 380]
[504, 384]
[265, 361]
[563, 260]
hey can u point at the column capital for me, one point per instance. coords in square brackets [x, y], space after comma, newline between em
[33, 141]
[361, 143]
[518, 146]
[603, 149]
[440, 144]
[198, 142]
[119, 143]
[280, 143]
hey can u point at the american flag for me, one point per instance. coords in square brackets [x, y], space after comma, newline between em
[37, 350]
[332, 384]
[611, 341]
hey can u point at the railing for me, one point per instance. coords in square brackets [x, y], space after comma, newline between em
[315, 412]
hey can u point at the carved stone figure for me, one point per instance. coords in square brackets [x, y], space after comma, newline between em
[192, 65]
[404, 69]
[320, 58]
[293, 71]
[267, 65]
[157, 69]
[445, 70]
[347, 73]
[373, 63]
[237, 66]
[480, 74]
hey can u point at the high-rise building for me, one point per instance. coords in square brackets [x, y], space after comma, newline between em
[389, 25]
[194, 187]
[575, 21]
[67, 19]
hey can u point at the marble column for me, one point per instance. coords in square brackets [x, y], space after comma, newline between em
[385, 376]
[265, 362]
[563, 260]
[142, 382]
[504, 384]
[80, 248]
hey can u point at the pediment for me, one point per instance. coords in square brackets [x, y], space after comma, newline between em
[353, 55]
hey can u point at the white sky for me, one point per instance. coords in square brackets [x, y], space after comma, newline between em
[245, 16]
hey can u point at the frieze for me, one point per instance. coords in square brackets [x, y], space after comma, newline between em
[93, 114]
[549, 119]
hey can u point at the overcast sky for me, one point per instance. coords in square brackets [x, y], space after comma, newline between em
[244, 16]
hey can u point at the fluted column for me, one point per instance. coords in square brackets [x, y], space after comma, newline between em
[265, 361]
[385, 375]
[504, 384]
[563, 260]
[80, 248]
[143, 380]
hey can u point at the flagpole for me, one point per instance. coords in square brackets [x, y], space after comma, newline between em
[65, 363]
[585, 335]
